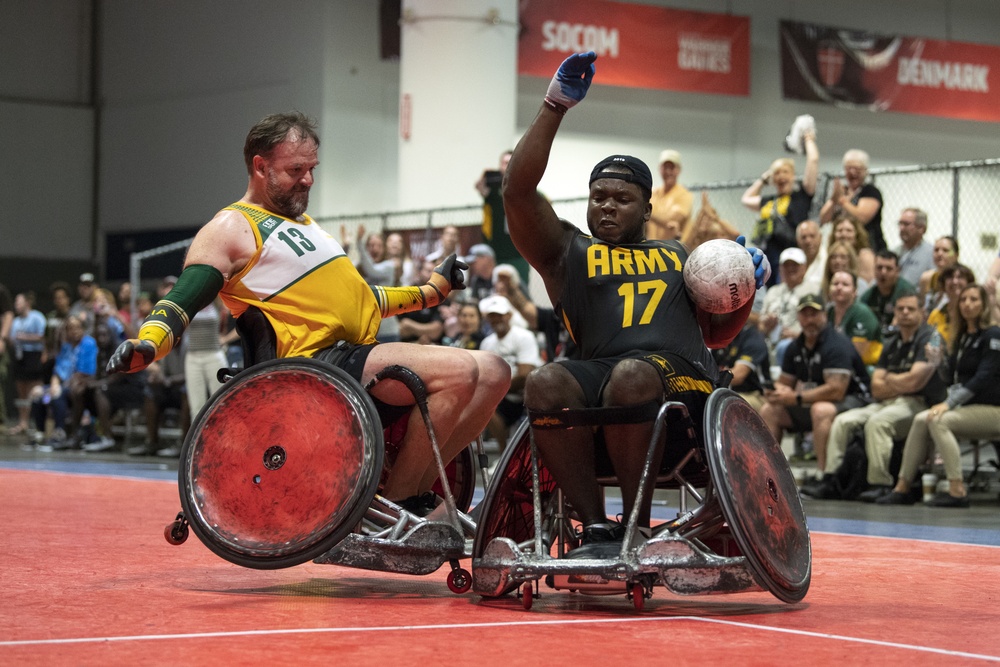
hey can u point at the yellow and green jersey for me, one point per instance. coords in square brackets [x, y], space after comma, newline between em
[304, 283]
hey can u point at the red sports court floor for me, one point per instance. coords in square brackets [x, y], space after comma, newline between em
[87, 578]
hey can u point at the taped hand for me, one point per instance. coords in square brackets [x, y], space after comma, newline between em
[572, 80]
[132, 356]
[761, 267]
[448, 275]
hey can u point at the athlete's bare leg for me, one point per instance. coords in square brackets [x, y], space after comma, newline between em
[632, 382]
[568, 453]
[463, 390]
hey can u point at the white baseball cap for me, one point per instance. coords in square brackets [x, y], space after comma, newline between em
[792, 255]
[495, 304]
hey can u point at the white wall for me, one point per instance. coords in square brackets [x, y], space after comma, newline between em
[46, 130]
[183, 80]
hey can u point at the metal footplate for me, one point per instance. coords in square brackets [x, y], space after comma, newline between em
[424, 549]
[680, 565]
[390, 539]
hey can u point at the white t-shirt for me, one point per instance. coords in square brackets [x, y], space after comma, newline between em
[519, 346]
[784, 303]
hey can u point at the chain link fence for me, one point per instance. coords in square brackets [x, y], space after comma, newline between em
[960, 199]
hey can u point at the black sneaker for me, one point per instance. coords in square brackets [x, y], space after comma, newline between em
[599, 541]
[948, 500]
[60, 443]
[602, 532]
[825, 489]
[896, 498]
[420, 505]
[874, 493]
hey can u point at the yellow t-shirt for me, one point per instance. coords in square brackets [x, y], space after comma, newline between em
[304, 283]
[678, 198]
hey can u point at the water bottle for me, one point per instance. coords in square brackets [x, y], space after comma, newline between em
[934, 353]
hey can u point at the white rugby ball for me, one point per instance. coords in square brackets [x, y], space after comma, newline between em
[718, 276]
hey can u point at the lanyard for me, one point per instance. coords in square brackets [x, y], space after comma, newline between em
[966, 342]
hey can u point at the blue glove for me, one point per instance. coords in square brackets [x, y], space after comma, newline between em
[761, 267]
[572, 80]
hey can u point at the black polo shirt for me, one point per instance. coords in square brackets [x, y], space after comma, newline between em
[832, 352]
[884, 306]
[899, 356]
[748, 348]
[976, 364]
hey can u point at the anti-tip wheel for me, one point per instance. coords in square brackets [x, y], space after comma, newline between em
[175, 532]
[638, 596]
[527, 595]
[459, 581]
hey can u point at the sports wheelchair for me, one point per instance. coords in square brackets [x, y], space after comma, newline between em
[745, 531]
[283, 465]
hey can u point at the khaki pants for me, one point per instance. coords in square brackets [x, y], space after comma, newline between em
[755, 399]
[966, 421]
[882, 422]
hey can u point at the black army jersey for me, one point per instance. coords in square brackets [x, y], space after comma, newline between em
[636, 300]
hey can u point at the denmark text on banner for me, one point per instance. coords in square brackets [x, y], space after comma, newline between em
[877, 72]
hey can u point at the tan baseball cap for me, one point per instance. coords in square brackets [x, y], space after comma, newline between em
[670, 155]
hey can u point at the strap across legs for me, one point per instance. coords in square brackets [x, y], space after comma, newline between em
[619, 414]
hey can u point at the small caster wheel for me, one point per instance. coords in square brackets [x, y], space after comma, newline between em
[638, 596]
[527, 595]
[176, 532]
[459, 581]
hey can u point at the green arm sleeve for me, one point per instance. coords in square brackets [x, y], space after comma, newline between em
[197, 287]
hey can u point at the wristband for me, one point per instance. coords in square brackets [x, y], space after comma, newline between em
[436, 289]
[560, 109]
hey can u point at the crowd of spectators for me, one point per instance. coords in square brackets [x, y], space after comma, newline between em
[60, 396]
[893, 354]
[853, 345]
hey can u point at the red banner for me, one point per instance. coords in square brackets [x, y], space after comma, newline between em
[889, 72]
[638, 46]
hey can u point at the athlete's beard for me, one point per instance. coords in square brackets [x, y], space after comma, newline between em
[290, 204]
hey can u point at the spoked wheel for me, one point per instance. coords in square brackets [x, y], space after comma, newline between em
[281, 463]
[758, 496]
[507, 509]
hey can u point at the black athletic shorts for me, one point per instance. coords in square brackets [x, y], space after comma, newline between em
[352, 359]
[510, 411]
[347, 357]
[29, 367]
[682, 382]
[679, 376]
